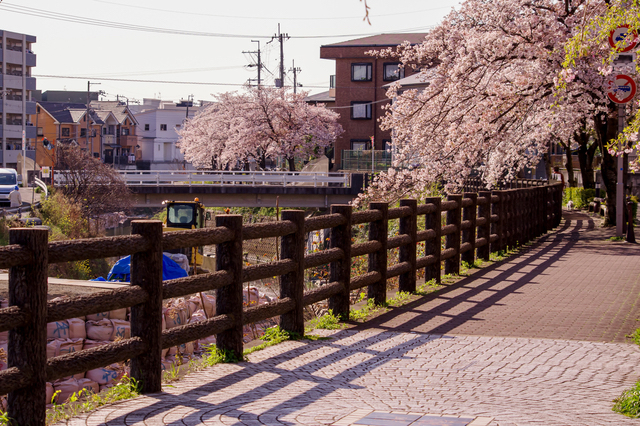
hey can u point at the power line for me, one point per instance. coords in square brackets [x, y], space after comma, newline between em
[301, 18]
[142, 28]
[198, 83]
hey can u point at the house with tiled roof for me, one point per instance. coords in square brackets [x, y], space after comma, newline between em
[105, 131]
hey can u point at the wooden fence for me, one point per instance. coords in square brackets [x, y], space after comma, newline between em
[476, 225]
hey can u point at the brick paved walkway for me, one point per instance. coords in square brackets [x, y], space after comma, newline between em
[538, 340]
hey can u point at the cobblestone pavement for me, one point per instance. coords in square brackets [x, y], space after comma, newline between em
[509, 345]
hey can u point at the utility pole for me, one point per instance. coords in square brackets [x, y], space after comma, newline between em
[295, 76]
[258, 64]
[87, 116]
[281, 38]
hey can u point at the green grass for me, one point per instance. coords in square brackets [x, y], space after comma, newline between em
[615, 239]
[400, 299]
[84, 401]
[328, 321]
[428, 287]
[369, 309]
[628, 403]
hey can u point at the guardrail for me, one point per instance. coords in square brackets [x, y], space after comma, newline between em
[476, 224]
[227, 178]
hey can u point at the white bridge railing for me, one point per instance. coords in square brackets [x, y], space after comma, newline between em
[227, 178]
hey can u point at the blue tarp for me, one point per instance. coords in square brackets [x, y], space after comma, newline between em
[121, 271]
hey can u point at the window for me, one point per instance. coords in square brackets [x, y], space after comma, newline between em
[163, 127]
[361, 110]
[83, 133]
[146, 126]
[177, 126]
[40, 132]
[392, 71]
[361, 72]
[104, 130]
[125, 132]
[65, 131]
[360, 144]
[387, 144]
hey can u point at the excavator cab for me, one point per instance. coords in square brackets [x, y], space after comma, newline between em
[183, 215]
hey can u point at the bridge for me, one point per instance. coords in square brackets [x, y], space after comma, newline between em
[240, 188]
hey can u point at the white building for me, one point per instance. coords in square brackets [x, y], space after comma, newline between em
[158, 122]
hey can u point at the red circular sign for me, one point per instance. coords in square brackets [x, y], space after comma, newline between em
[621, 89]
[619, 34]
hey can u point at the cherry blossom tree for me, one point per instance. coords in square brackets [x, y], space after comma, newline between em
[491, 105]
[260, 123]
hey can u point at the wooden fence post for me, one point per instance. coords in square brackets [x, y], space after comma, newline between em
[146, 318]
[511, 218]
[484, 231]
[469, 235]
[378, 231]
[434, 247]
[452, 241]
[229, 298]
[28, 344]
[292, 284]
[558, 204]
[499, 209]
[341, 270]
[409, 226]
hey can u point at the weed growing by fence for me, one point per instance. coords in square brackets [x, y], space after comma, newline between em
[84, 401]
[629, 402]
[328, 321]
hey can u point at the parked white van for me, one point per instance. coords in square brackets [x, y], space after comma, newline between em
[9, 190]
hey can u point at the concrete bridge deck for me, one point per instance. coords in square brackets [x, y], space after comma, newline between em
[538, 339]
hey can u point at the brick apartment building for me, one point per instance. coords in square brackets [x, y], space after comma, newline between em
[358, 88]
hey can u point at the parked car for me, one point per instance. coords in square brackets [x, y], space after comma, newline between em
[9, 189]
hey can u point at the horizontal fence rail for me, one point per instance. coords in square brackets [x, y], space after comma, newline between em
[471, 225]
[226, 178]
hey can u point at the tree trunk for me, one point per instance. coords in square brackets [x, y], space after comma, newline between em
[292, 164]
[586, 161]
[547, 161]
[606, 130]
[571, 180]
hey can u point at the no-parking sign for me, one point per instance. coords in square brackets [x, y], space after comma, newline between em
[620, 34]
[621, 89]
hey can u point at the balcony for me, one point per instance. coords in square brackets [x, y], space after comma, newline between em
[108, 139]
[31, 59]
[360, 160]
[129, 140]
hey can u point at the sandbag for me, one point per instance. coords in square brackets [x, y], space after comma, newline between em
[103, 375]
[209, 305]
[197, 316]
[176, 316]
[99, 330]
[4, 336]
[77, 328]
[173, 350]
[53, 348]
[49, 392]
[167, 364]
[70, 346]
[89, 344]
[207, 341]
[186, 349]
[107, 386]
[58, 330]
[164, 352]
[97, 317]
[4, 303]
[119, 314]
[121, 330]
[89, 385]
[66, 387]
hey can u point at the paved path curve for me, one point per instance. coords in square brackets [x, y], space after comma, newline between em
[537, 340]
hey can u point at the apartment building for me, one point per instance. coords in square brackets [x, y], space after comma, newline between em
[16, 85]
[359, 92]
[159, 122]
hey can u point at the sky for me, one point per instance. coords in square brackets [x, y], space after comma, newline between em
[171, 50]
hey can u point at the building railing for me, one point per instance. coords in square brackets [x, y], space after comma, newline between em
[361, 160]
[476, 224]
[226, 178]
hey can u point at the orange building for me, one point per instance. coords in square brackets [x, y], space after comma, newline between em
[102, 131]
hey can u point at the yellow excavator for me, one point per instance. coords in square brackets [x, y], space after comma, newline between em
[183, 215]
